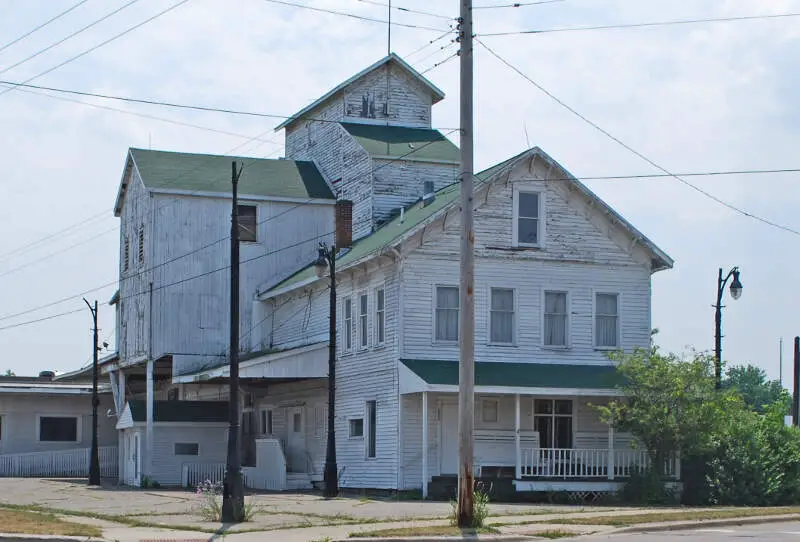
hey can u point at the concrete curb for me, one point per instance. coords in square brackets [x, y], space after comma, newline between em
[684, 525]
[492, 537]
[10, 537]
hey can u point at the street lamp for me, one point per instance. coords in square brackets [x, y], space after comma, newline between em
[327, 261]
[736, 293]
[94, 454]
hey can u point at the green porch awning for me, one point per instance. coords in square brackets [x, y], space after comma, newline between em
[519, 375]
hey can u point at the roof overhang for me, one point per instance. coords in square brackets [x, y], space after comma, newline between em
[123, 184]
[296, 364]
[436, 92]
[241, 196]
[52, 389]
[542, 379]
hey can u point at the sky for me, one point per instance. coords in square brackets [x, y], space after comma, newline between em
[704, 97]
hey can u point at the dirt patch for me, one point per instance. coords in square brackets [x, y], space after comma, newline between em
[23, 522]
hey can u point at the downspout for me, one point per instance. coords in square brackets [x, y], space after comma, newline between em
[396, 375]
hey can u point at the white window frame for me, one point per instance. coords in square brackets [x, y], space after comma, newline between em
[367, 428]
[380, 316]
[347, 334]
[78, 428]
[175, 454]
[3, 427]
[568, 333]
[265, 413]
[555, 398]
[363, 320]
[434, 299]
[595, 293]
[350, 421]
[542, 223]
[514, 326]
[496, 402]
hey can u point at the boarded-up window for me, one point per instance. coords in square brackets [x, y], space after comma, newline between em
[126, 253]
[141, 245]
[247, 223]
[187, 448]
[372, 422]
[58, 429]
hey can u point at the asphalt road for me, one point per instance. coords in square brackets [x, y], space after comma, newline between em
[767, 531]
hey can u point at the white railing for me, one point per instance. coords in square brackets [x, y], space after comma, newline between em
[590, 463]
[194, 474]
[269, 472]
[59, 463]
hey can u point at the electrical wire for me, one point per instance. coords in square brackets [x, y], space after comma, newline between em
[51, 317]
[27, 247]
[518, 4]
[408, 10]
[351, 15]
[47, 22]
[640, 25]
[59, 42]
[101, 44]
[431, 42]
[634, 151]
[446, 60]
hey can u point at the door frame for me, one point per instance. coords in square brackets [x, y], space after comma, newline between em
[440, 404]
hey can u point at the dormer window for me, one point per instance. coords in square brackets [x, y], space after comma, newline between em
[528, 228]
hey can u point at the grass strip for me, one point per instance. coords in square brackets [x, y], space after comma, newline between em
[30, 522]
[688, 515]
[436, 530]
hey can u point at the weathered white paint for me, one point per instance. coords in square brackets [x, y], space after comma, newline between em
[149, 406]
[424, 444]
[20, 412]
[58, 463]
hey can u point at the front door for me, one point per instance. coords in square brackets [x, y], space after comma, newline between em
[133, 462]
[296, 439]
[448, 455]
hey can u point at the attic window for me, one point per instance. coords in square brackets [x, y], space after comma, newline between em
[528, 225]
[247, 223]
[126, 253]
[141, 245]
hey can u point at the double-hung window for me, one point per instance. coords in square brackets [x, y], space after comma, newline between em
[348, 324]
[380, 316]
[555, 319]
[363, 321]
[248, 223]
[606, 320]
[527, 218]
[447, 302]
[501, 317]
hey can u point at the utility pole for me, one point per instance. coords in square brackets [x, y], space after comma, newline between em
[466, 335]
[796, 390]
[94, 453]
[331, 473]
[233, 488]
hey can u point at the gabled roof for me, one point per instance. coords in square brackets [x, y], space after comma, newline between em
[437, 94]
[181, 411]
[165, 171]
[401, 142]
[418, 215]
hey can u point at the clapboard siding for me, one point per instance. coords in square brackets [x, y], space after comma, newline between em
[135, 277]
[167, 467]
[319, 139]
[191, 294]
[528, 279]
[409, 102]
[19, 421]
[400, 183]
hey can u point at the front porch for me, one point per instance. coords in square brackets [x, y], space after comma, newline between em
[543, 438]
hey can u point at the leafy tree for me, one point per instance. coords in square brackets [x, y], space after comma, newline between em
[9, 372]
[670, 403]
[751, 382]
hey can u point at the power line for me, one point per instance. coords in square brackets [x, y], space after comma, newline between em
[518, 4]
[47, 22]
[431, 42]
[101, 44]
[51, 317]
[408, 10]
[59, 42]
[446, 60]
[640, 25]
[27, 247]
[634, 151]
[352, 15]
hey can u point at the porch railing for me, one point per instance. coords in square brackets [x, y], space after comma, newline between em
[590, 463]
[269, 472]
[58, 463]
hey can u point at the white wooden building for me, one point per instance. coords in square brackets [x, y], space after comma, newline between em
[561, 280]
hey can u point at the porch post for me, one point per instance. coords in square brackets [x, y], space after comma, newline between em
[610, 466]
[121, 386]
[115, 391]
[424, 444]
[518, 471]
[149, 428]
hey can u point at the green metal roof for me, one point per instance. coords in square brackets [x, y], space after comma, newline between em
[212, 173]
[402, 142]
[524, 375]
[181, 411]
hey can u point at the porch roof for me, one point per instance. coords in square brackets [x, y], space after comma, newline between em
[180, 411]
[438, 375]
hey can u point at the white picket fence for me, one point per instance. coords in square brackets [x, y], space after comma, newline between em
[61, 463]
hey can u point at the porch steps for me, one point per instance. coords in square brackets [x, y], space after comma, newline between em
[298, 480]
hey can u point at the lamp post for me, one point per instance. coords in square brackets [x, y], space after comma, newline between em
[327, 261]
[736, 293]
[94, 454]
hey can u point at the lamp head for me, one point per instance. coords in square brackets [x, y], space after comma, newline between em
[321, 264]
[736, 285]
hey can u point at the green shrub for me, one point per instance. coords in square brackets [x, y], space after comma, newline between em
[647, 488]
